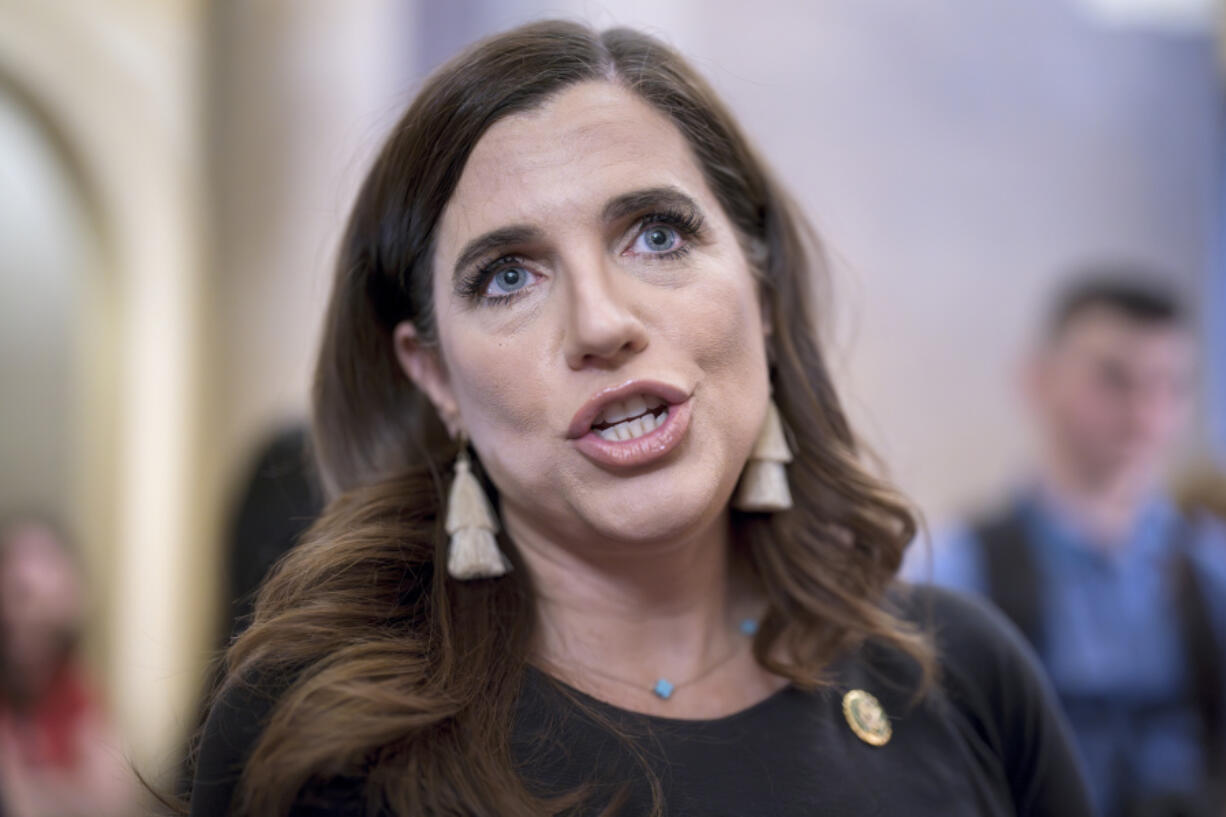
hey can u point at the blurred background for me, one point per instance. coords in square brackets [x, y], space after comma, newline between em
[174, 176]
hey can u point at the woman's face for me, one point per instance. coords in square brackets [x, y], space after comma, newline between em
[585, 275]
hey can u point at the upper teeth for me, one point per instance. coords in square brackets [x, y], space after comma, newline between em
[630, 407]
[630, 418]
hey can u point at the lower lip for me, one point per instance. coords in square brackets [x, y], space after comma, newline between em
[641, 450]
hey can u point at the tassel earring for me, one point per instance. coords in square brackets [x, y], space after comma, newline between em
[473, 552]
[764, 482]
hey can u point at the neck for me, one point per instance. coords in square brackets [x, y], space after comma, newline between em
[1106, 506]
[641, 611]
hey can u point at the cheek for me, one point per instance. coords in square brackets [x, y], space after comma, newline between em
[721, 326]
[720, 329]
[500, 388]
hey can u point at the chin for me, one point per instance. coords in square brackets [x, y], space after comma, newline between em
[1124, 470]
[655, 517]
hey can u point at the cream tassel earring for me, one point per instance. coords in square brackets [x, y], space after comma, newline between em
[764, 482]
[473, 552]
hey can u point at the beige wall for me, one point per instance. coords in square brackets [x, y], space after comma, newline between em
[299, 103]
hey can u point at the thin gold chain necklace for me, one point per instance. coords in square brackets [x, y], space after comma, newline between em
[663, 688]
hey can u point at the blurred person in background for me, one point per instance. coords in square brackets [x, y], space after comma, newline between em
[1122, 595]
[279, 500]
[59, 756]
[658, 579]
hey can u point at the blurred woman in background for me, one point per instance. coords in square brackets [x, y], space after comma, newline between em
[658, 580]
[58, 755]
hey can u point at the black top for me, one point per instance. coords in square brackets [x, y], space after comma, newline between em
[987, 741]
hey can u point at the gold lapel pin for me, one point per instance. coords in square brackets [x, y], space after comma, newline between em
[866, 718]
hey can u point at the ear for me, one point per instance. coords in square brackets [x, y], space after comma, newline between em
[424, 367]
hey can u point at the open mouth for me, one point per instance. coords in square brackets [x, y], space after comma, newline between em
[632, 424]
[631, 418]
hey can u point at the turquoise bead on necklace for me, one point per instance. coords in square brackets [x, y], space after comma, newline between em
[664, 688]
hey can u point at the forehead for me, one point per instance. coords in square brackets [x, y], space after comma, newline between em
[588, 143]
[1104, 332]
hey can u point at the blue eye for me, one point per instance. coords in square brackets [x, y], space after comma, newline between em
[506, 281]
[658, 238]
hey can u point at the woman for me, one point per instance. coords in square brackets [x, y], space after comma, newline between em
[599, 541]
[59, 756]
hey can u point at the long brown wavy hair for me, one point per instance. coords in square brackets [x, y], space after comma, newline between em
[409, 679]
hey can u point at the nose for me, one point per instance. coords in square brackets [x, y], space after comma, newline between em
[602, 328]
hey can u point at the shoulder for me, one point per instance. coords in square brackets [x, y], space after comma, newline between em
[976, 646]
[960, 621]
[1000, 698]
[980, 653]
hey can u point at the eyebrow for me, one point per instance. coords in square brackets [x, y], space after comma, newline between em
[635, 202]
[619, 207]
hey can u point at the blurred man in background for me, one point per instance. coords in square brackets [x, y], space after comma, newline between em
[1122, 596]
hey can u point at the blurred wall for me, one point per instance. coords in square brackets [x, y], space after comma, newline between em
[115, 90]
[49, 245]
[299, 102]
